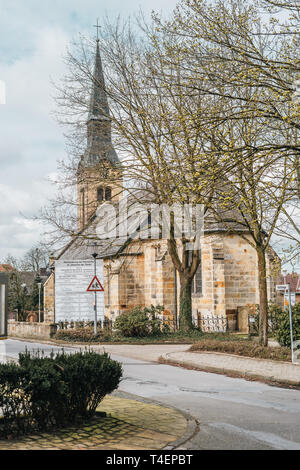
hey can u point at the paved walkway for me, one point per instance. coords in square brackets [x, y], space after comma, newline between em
[129, 424]
[143, 352]
[273, 371]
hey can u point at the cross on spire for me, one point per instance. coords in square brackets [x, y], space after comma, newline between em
[98, 27]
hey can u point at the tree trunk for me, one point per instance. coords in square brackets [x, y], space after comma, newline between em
[185, 309]
[263, 297]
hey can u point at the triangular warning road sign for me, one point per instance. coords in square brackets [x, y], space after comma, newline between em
[95, 286]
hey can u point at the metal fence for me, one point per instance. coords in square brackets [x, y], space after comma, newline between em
[212, 323]
[253, 322]
[207, 324]
[105, 324]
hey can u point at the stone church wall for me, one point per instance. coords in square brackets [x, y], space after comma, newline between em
[240, 272]
[229, 278]
[49, 299]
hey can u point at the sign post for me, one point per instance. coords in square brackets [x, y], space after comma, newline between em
[3, 305]
[95, 286]
[286, 288]
[95, 305]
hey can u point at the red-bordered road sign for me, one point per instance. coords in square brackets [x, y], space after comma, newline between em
[95, 286]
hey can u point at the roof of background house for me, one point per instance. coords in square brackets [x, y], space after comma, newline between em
[293, 279]
[4, 268]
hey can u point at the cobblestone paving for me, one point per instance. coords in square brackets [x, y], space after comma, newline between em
[129, 424]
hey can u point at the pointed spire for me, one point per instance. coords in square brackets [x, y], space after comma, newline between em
[99, 143]
[98, 104]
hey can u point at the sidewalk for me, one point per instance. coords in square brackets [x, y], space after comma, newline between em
[130, 424]
[230, 364]
[260, 369]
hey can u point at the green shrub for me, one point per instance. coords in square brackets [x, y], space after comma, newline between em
[274, 311]
[14, 403]
[41, 392]
[139, 322]
[282, 332]
[85, 335]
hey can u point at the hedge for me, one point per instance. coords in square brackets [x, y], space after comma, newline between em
[43, 392]
[283, 333]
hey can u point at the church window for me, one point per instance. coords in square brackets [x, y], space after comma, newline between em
[197, 287]
[82, 203]
[100, 194]
[108, 194]
[197, 281]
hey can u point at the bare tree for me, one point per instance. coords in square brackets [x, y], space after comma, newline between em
[203, 99]
[249, 67]
[167, 153]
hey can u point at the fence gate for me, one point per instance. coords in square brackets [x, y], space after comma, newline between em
[3, 305]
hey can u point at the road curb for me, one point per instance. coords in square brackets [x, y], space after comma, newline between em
[275, 381]
[78, 344]
[192, 423]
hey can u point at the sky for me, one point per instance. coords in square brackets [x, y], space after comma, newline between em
[34, 35]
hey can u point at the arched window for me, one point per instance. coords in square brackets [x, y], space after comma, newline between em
[197, 281]
[108, 194]
[100, 194]
[82, 203]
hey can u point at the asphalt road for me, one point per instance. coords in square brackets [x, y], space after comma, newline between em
[233, 413]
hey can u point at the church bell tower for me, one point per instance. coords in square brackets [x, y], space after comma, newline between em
[99, 175]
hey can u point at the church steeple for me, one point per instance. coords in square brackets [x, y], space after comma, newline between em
[99, 109]
[99, 175]
[99, 142]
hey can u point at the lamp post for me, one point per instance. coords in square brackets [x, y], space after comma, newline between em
[39, 286]
[291, 322]
[52, 271]
[284, 275]
[289, 310]
[24, 293]
[94, 255]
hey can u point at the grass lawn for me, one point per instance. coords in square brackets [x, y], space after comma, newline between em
[86, 335]
[242, 348]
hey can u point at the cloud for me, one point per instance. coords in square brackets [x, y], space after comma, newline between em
[31, 141]
[34, 37]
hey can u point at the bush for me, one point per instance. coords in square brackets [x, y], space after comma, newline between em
[139, 322]
[14, 402]
[274, 311]
[282, 333]
[42, 392]
[85, 335]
